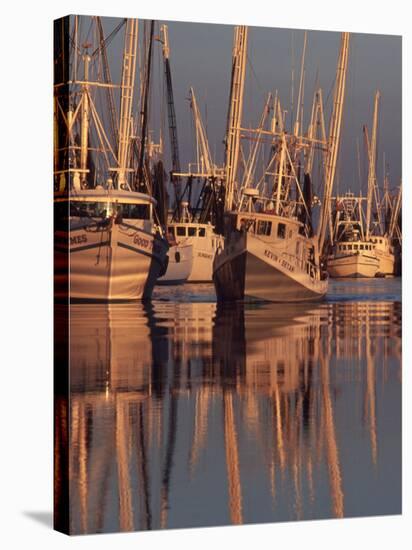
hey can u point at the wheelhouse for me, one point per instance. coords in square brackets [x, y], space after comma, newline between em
[182, 230]
[104, 204]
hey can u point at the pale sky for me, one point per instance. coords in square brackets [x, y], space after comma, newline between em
[200, 56]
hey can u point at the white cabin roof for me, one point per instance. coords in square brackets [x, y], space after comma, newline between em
[104, 195]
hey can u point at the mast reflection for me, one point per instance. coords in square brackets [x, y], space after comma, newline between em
[158, 390]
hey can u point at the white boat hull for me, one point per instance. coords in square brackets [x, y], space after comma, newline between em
[179, 266]
[252, 270]
[203, 254]
[353, 266]
[386, 263]
[119, 262]
[204, 248]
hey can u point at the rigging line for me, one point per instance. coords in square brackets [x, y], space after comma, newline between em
[74, 45]
[74, 50]
[104, 43]
[250, 65]
[89, 31]
[330, 91]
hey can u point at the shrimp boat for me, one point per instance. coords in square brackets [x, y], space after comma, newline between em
[115, 252]
[193, 224]
[109, 244]
[190, 225]
[203, 240]
[267, 257]
[271, 251]
[353, 253]
[362, 243]
[353, 258]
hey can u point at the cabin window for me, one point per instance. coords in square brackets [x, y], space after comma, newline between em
[281, 231]
[380, 241]
[264, 227]
[355, 247]
[74, 210]
[202, 232]
[104, 209]
[361, 247]
[349, 247]
[344, 247]
[192, 231]
[171, 231]
[134, 211]
[181, 231]
[247, 224]
[89, 209]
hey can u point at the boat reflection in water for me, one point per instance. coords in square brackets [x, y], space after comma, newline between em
[192, 414]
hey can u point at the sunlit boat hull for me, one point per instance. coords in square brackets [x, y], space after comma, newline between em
[251, 270]
[179, 266]
[353, 265]
[386, 263]
[203, 254]
[204, 248]
[385, 253]
[119, 262]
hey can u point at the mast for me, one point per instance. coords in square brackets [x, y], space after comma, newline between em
[205, 156]
[317, 121]
[300, 94]
[174, 144]
[108, 79]
[84, 132]
[334, 139]
[145, 111]
[251, 162]
[372, 165]
[126, 99]
[234, 118]
[281, 172]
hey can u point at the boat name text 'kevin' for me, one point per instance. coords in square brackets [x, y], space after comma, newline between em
[282, 262]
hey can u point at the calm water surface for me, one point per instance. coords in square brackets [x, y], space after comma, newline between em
[184, 413]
